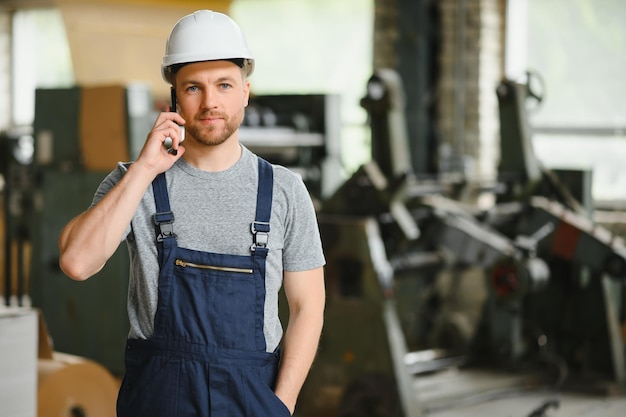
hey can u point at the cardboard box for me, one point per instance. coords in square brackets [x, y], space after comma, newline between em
[103, 127]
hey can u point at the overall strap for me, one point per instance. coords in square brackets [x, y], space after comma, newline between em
[163, 218]
[261, 226]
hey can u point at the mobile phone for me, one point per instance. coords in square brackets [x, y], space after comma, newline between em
[168, 140]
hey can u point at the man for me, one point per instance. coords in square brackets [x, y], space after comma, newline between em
[213, 232]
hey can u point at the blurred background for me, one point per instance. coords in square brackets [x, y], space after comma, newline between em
[467, 159]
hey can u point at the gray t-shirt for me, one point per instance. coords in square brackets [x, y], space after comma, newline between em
[213, 212]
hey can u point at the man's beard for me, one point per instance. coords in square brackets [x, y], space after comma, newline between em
[215, 135]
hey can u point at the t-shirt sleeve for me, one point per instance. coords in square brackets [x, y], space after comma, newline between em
[303, 246]
[107, 184]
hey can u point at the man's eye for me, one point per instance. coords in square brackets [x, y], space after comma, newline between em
[192, 88]
[225, 86]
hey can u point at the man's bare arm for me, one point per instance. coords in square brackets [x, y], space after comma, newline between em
[306, 297]
[89, 240]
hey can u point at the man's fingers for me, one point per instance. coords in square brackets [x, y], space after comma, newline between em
[167, 118]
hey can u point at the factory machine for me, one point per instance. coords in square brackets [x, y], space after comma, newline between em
[301, 132]
[421, 280]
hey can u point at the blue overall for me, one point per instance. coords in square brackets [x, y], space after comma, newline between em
[207, 356]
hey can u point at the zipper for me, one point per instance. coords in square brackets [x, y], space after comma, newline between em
[180, 262]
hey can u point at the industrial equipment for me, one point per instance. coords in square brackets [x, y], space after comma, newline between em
[545, 284]
[87, 319]
[17, 183]
[301, 132]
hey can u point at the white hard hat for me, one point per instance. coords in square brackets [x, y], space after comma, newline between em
[205, 36]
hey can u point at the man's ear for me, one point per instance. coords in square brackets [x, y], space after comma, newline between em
[246, 91]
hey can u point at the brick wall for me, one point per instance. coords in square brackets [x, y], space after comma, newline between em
[385, 33]
[471, 67]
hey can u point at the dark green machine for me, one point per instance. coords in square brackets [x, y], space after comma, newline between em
[88, 318]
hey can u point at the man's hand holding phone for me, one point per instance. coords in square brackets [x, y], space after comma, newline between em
[165, 137]
[169, 142]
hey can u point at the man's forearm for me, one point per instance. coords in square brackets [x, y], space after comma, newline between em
[299, 348]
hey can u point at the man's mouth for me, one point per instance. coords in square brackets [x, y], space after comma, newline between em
[212, 116]
[209, 120]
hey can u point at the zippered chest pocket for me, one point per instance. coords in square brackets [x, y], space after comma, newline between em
[221, 268]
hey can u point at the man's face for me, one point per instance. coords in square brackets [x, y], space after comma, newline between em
[212, 97]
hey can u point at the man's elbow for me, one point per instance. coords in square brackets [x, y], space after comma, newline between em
[73, 268]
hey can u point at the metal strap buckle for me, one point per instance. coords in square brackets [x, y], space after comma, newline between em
[260, 233]
[165, 223]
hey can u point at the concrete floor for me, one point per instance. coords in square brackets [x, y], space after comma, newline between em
[455, 393]
[524, 404]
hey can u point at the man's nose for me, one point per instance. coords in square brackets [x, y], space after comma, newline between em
[209, 99]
